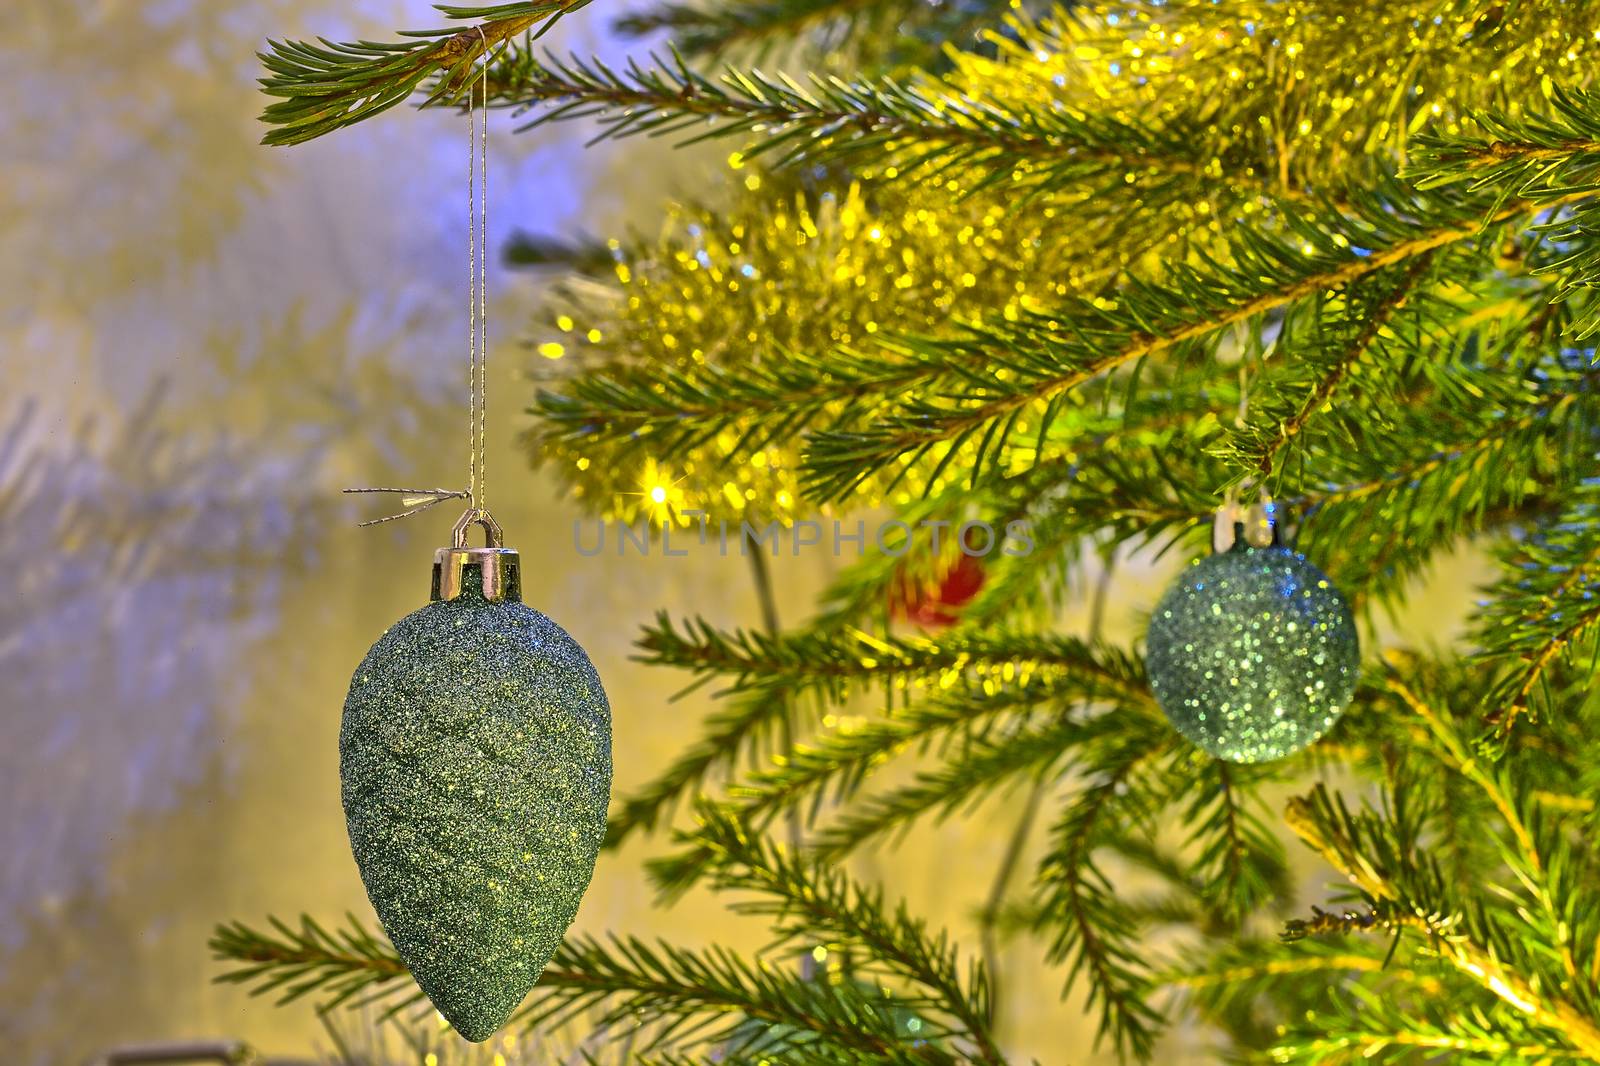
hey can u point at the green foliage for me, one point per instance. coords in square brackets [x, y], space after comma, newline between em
[992, 730]
[1087, 925]
[1343, 253]
[1541, 157]
[922, 129]
[329, 85]
[1544, 613]
[765, 29]
[803, 897]
[335, 967]
[1049, 354]
[668, 997]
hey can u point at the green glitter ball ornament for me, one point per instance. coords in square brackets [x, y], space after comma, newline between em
[475, 767]
[1252, 653]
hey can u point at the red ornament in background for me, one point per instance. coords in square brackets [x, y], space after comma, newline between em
[937, 602]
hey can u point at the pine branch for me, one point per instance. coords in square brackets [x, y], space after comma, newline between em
[1092, 929]
[1491, 445]
[1250, 987]
[836, 765]
[1261, 973]
[811, 900]
[976, 734]
[689, 994]
[1273, 426]
[1279, 967]
[1453, 748]
[1522, 818]
[1449, 444]
[729, 733]
[1543, 159]
[1239, 860]
[1522, 154]
[1545, 609]
[922, 128]
[993, 762]
[1406, 890]
[764, 402]
[327, 86]
[699, 30]
[1373, 1028]
[336, 967]
[1043, 670]
[693, 998]
[823, 657]
[1047, 356]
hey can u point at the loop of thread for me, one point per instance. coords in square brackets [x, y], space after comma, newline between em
[414, 500]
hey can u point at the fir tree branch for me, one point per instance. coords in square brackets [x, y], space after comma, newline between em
[1275, 968]
[1373, 316]
[1239, 861]
[699, 30]
[990, 763]
[1375, 1028]
[924, 127]
[845, 759]
[1474, 961]
[630, 981]
[626, 981]
[1497, 446]
[678, 410]
[1452, 446]
[1542, 158]
[821, 657]
[1500, 791]
[809, 899]
[1544, 610]
[729, 733]
[1453, 747]
[1525, 155]
[1047, 670]
[1093, 931]
[1246, 985]
[1050, 355]
[327, 86]
[1406, 890]
[336, 966]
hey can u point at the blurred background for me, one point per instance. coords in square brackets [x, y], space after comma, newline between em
[203, 341]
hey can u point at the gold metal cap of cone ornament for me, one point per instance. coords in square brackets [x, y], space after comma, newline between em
[493, 569]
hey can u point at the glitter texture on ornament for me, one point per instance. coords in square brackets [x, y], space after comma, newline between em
[475, 761]
[1252, 653]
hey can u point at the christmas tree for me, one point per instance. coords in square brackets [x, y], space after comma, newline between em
[1087, 272]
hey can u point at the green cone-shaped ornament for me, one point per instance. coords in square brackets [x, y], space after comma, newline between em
[475, 767]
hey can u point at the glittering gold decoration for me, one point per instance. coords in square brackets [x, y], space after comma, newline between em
[1303, 93]
[761, 281]
[1275, 101]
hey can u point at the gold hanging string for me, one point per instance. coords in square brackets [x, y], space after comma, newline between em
[477, 284]
[416, 501]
